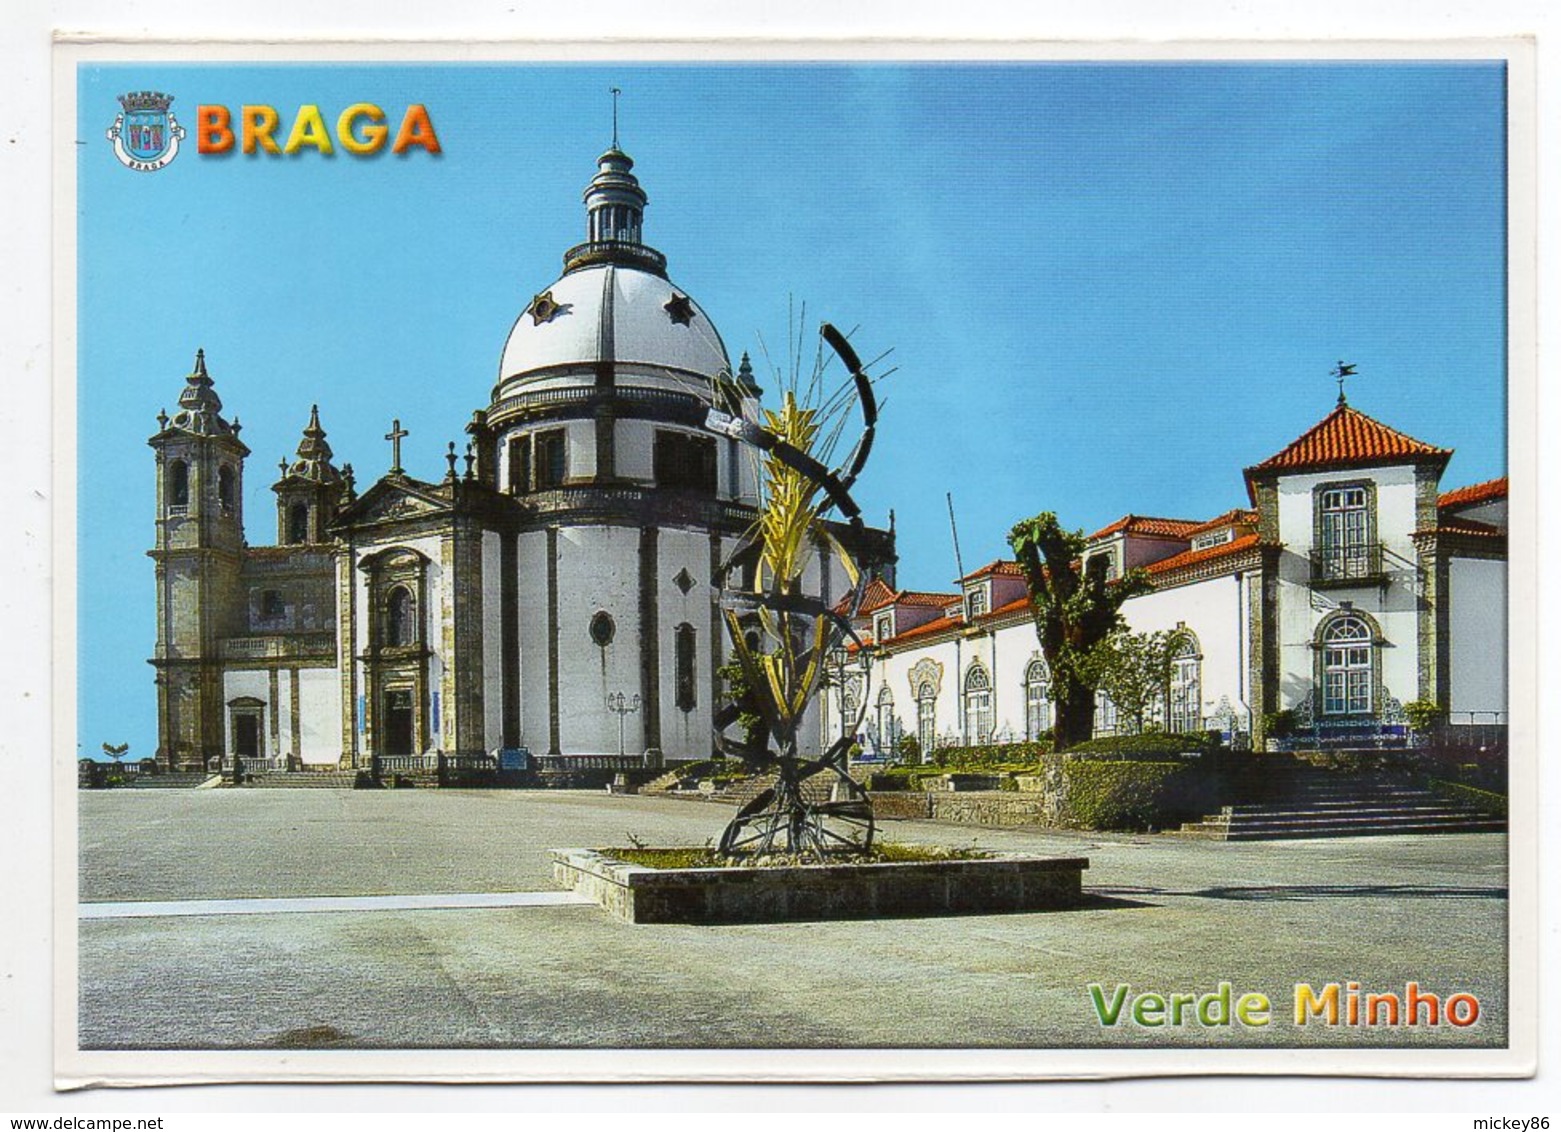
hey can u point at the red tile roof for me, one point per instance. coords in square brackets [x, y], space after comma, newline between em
[1464, 527]
[936, 625]
[1474, 493]
[921, 598]
[1348, 437]
[1148, 525]
[1193, 557]
[1004, 566]
[875, 596]
[1230, 518]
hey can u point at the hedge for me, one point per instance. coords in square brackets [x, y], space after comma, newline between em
[990, 755]
[1153, 746]
[1125, 794]
[1485, 801]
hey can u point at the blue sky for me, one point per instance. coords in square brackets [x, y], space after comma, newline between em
[1107, 288]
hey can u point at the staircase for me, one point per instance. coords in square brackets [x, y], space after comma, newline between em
[304, 780]
[178, 780]
[1292, 799]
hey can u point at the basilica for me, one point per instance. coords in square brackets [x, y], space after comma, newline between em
[552, 593]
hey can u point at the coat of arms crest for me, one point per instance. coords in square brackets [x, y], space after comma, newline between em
[145, 133]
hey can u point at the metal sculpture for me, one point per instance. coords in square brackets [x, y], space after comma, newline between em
[782, 637]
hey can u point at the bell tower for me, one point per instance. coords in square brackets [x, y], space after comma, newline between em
[198, 552]
[309, 490]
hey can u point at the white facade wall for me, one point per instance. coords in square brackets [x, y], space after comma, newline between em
[319, 716]
[1477, 625]
[684, 734]
[598, 569]
[1301, 609]
[254, 683]
[1215, 612]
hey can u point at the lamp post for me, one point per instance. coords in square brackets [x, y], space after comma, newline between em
[622, 706]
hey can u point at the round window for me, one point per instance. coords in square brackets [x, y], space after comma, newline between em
[603, 628]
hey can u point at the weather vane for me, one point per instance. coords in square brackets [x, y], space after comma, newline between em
[615, 93]
[1340, 372]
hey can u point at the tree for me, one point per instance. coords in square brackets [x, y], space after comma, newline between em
[1134, 669]
[1074, 609]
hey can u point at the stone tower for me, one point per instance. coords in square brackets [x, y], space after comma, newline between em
[309, 491]
[199, 549]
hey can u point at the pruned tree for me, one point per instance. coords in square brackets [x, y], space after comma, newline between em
[1134, 669]
[1074, 609]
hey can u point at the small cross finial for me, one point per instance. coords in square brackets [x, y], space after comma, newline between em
[1340, 372]
[395, 436]
[615, 93]
[282, 463]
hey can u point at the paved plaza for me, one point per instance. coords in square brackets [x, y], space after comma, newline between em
[474, 946]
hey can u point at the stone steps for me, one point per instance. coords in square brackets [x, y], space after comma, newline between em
[1305, 802]
[175, 781]
[304, 780]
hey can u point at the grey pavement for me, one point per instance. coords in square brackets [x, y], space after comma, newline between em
[1172, 916]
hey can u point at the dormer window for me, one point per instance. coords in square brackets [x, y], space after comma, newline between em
[1213, 538]
[884, 628]
[975, 603]
[1102, 564]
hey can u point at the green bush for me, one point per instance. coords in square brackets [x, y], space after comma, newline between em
[990, 755]
[1279, 724]
[1423, 715]
[1486, 801]
[1128, 795]
[1152, 746]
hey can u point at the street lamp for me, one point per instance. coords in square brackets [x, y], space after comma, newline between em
[622, 706]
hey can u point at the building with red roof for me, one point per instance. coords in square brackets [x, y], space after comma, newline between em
[1351, 586]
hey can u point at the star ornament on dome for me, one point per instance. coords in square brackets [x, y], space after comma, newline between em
[679, 308]
[544, 309]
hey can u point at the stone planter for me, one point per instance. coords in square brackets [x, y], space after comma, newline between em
[641, 895]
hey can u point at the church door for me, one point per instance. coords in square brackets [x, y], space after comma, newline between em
[398, 723]
[246, 736]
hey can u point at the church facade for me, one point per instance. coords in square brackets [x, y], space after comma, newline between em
[561, 567]
[1350, 586]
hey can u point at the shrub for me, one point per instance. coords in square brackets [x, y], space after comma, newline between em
[1152, 746]
[1128, 795]
[990, 755]
[1279, 724]
[1486, 801]
[908, 749]
[1423, 715]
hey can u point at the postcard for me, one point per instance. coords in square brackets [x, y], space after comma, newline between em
[716, 562]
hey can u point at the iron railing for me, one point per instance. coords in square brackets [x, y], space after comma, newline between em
[1346, 565]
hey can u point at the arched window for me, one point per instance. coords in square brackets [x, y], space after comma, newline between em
[886, 721]
[978, 705]
[178, 484]
[1037, 700]
[1186, 691]
[400, 617]
[926, 717]
[225, 487]
[298, 523]
[683, 648]
[850, 705]
[1349, 667]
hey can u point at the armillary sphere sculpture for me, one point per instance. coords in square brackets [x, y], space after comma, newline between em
[782, 637]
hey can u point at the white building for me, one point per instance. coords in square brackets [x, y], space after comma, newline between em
[566, 559]
[1350, 588]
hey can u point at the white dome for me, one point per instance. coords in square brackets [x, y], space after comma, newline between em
[611, 313]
